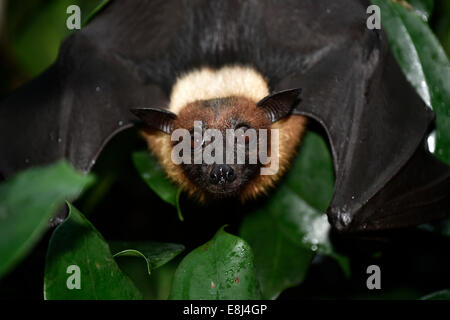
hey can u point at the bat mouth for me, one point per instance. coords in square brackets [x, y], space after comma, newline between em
[223, 191]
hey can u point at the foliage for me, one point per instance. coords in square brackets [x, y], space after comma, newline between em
[220, 269]
[77, 243]
[29, 21]
[27, 202]
[440, 295]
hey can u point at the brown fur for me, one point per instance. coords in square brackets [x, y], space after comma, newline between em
[291, 130]
[233, 107]
[239, 89]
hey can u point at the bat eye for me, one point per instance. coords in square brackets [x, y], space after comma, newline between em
[244, 127]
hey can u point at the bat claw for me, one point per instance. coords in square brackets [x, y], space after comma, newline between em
[340, 219]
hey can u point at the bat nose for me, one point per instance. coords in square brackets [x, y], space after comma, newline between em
[221, 174]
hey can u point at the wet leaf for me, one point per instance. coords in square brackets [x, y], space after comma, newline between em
[311, 176]
[155, 254]
[424, 8]
[221, 269]
[304, 225]
[27, 202]
[155, 177]
[77, 243]
[298, 205]
[280, 263]
[439, 295]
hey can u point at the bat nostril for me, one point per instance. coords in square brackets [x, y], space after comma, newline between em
[230, 175]
[221, 174]
[341, 219]
[214, 178]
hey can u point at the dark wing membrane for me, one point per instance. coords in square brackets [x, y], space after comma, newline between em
[376, 125]
[127, 58]
[79, 103]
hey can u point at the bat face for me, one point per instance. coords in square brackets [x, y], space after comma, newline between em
[220, 180]
[219, 147]
[227, 130]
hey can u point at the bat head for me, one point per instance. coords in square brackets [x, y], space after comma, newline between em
[217, 142]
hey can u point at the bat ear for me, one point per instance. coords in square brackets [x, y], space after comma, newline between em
[155, 118]
[278, 105]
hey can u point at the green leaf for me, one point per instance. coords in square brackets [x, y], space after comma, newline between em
[303, 224]
[27, 202]
[424, 8]
[424, 63]
[441, 25]
[35, 44]
[279, 262]
[439, 295]
[154, 287]
[446, 228]
[97, 10]
[311, 176]
[177, 199]
[155, 177]
[298, 204]
[77, 243]
[294, 212]
[156, 254]
[221, 269]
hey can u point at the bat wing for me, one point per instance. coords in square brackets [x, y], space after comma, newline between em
[376, 126]
[83, 99]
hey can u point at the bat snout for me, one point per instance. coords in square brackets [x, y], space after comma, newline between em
[222, 174]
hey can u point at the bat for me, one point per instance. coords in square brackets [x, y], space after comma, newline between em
[232, 98]
[133, 53]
